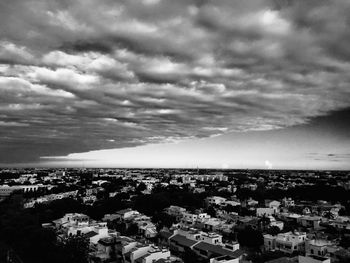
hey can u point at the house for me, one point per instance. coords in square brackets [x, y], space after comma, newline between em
[319, 247]
[215, 200]
[286, 242]
[180, 243]
[124, 245]
[104, 250]
[306, 211]
[265, 211]
[287, 202]
[310, 221]
[342, 222]
[272, 203]
[126, 213]
[136, 252]
[289, 217]
[213, 224]
[153, 254]
[232, 203]
[175, 211]
[249, 202]
[211, 238]
[147, 229]
[202, 217]
[188, 219]
[269, 242]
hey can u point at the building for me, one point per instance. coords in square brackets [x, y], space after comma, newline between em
[189, 219]
[310, 221]
[207, 250]
[154, 254]
[286, 242]
[319, 247]
[175, 211]
[313, 259]
[224, 259]
[215, 200]
[126, 214]
[179, 243]
[265, 211]
[287, 202]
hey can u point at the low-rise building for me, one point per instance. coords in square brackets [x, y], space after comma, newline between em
[310, 221]
[215, 200]
[175, 211]
[286, 242]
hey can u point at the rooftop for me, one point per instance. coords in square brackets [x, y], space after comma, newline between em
[218, 249]
[183, 240]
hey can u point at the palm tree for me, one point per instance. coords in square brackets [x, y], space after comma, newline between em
[264, 222]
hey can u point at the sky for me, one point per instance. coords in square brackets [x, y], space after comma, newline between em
[164, 83]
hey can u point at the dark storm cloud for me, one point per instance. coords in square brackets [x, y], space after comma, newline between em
[86, 75]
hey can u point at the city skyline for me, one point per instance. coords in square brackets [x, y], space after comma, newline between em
[175, 84]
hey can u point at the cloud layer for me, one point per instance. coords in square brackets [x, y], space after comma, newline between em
[86, 75]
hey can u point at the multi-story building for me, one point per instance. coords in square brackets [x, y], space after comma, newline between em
[286, 242]
[320, 247]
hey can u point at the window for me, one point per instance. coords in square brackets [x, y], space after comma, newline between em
[311, 251]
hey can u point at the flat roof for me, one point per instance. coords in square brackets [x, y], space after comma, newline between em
[184, 241]
[215, 249]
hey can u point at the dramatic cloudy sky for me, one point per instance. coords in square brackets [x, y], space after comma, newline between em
[213, 83]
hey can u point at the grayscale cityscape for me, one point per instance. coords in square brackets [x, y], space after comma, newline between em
[174, 131]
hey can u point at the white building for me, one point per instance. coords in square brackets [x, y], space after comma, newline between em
[154, 254]
[286, 242]
[319, 247]
[265, 211]
[287, 202]
[215, 200]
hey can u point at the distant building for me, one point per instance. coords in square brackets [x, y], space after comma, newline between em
[310, 221]
[286, 242]
[215, 200]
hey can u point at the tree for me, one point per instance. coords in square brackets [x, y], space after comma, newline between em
[211, 211]
[132, 230]
[190, 256]
[76, 249]
[273, 230]
[141, 187]
[264, 222]
[250, 238]
[163, 220]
